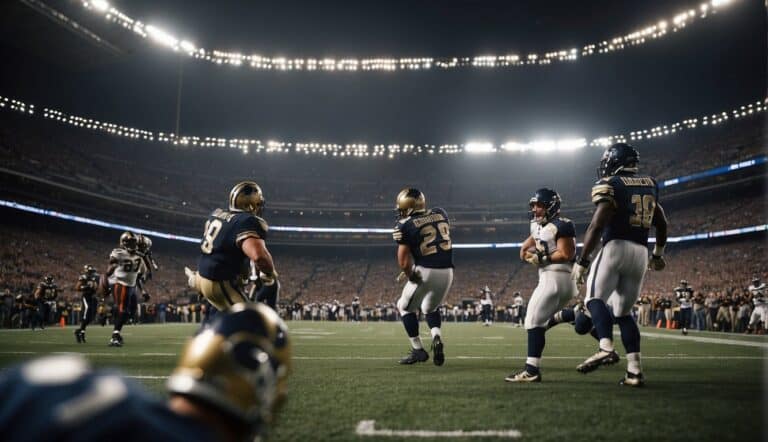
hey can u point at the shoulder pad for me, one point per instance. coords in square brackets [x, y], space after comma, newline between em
[603, 191]
[262, 223]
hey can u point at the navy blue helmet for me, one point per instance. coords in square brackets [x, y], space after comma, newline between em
[620, 157]
[551, 201]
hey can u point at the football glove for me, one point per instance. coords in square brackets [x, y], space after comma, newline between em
[579, 271]
[657, 263]
[268, 278]
[538, 258]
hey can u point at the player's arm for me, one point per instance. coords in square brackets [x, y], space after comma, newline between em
[256, 249]
[566, 250]
[38, 292]
[660, 223]
[405, 262]
[527, 244]
[602, 216]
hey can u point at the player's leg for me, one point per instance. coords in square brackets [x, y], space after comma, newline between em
[120, 293]
[628, 291]
[601, 283]
[408, 304]
[441, 281]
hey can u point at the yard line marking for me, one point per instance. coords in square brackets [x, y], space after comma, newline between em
[367, 428]
[707, 340]
[147, 377]
[495, 358]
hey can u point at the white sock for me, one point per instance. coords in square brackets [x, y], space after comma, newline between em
[533, 361]
[435, 332]
[606, 344]
[633, 363]
[416, 343]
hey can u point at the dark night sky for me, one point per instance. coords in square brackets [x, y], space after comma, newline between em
[716, 64]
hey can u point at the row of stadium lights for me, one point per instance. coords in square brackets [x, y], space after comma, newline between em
[247, 145]
[677, 22]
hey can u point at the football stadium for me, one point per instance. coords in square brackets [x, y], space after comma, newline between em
[464, 220]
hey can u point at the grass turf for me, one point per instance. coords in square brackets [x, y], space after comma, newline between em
[344, 373]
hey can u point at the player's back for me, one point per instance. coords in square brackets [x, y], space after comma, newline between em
[221, 258]
[428, 236]
[634, 197]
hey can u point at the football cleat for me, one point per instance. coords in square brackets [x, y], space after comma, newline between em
[416, 355]
[523, 376]
[685, 331]
[602, 357]
[438, 357]
[632, 380]
[79, 336]
[115, 343]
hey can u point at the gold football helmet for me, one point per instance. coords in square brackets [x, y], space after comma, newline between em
[246, 196]
[239, 365]
[144, 244]
[410, 201]
[129, 241]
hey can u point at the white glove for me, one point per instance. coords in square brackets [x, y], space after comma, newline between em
[579, 271]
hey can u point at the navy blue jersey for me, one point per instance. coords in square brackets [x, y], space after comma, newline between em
[221, 257]
[59, 398]
[428, 236]
[634, 197]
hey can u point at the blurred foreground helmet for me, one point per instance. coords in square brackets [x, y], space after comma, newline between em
[239, 365]
[129, 241]
[410, 201]
[620, 157]
[246, 196]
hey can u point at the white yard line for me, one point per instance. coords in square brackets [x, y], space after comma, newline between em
[706, 340]
[367, 428]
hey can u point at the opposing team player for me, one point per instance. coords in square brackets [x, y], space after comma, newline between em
[760, 312]
[425, 256]
[230, 239]
[627, 207]
[684, 296]
[148, 265]
[228, 386]
[45, 296]
[486, 305]
[87, 284]
[123, 271]
[551, 247]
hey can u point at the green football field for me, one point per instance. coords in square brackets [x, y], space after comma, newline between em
[704, 387]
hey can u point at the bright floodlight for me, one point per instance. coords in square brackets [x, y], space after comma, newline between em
[478, 147]
[571, 144]
[162, 37]
[187, 46]
[543, 146]
[100, 5]
[513, 146]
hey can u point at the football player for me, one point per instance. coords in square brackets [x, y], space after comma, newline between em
[627, 207]
[425, 258]
[148, 265]
[486, 304]
[123, 271]
[551, 248]
[684, 295]
[760, 312]
[230, 239]
[45, 296]
[228, 386]
[86, 285]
